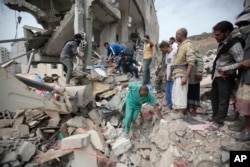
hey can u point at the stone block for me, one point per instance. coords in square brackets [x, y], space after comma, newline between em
[23, 130]
[6, 123]
[94, 116]
[96, 140]
[75, 141]
[110, 132]
[114, 121]
[26, 151]
[8, 157]
[121, 78]
[76, 122]
[121, 145]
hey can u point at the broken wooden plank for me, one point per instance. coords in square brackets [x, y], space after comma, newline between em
[52, 154]
[99, 87]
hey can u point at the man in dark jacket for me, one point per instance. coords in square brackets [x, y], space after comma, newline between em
[228, 59]
[127, 64]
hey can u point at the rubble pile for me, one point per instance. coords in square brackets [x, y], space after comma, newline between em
[208, 60]
[91, 132]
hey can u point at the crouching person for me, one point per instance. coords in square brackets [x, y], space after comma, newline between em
[138, 95]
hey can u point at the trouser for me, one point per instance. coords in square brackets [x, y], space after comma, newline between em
[220, 96]
[158, 82]
[68, 62]
[130, 116]
[132, 69]
[169, 88]
[146, 73]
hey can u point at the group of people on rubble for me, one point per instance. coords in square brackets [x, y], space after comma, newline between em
[181, 68]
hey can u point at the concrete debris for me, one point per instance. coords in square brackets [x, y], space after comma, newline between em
[26, 151]
[23, 130]
[110, 132]
[94, 115]
[76, 122]
[8, 157]
[6, 123]
[75, 141]
[96, 140]
[80, 157]
[121, 145]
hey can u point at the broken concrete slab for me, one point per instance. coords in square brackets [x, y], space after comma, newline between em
[84, 156]
[96, 140]
[7, 131]
[26, 151]
[121, 145]
[94, 115]
[22, 97]
[18, 121]
[8, 157]
[52, 154]
[23, 130]
[121, 78]
[71, 130]
[6, 123]
[110, 132]
[76, 122]
[53, 123]
[114, 121]
[75, 141]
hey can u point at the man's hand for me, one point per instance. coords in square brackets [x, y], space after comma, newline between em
[223, 75]
[246, 63]
[198, 77]
[184, 80]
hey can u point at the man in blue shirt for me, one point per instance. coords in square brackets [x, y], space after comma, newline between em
[113, 50]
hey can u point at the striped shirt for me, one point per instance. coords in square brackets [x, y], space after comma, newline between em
[230, 61]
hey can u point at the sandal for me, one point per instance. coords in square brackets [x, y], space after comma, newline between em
[214, 126]
[243, 136]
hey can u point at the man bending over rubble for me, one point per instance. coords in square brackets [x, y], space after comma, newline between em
[138, 95]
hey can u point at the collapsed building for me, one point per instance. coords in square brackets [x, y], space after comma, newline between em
[114, 21]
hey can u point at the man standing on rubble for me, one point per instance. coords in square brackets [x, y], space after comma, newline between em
[228, 59]
[160, 71]
[68, 54]
[169, 60]
[147, 59]
[138, 95]
[243, 93]
[183, 63]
